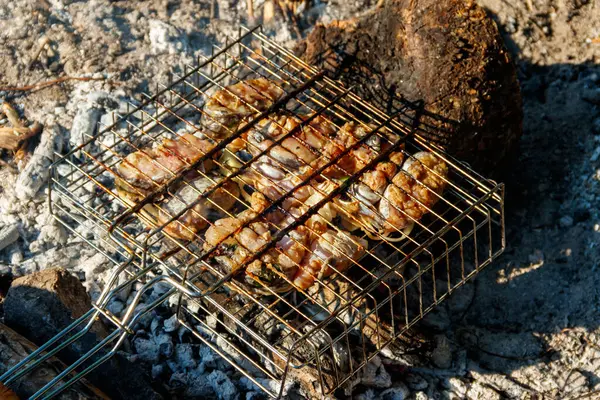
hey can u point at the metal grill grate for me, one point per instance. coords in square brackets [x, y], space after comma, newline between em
[332, 327]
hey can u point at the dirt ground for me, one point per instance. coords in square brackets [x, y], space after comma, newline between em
[529, 325]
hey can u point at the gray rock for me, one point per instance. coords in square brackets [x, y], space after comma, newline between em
[456, 385]
[479, 392]
[369, 394]
[255, 396]
[595, 155]
[420, 396]
[222, 386]
[165, 38]
[438, 319]
[36, 172]
[8, 235]
[115, 307]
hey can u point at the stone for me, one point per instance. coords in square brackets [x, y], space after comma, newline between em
[199, 385]
[596, 126]
[157, 370]
[165, 38]
[421, 396]
[457, 386]
[36, 172]
[222, 386]
[438, 319]
[595, 155]
[8, 235]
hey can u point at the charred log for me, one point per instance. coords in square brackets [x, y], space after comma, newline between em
[448, 54]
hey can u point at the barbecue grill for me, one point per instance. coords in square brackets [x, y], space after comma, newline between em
[330, 330]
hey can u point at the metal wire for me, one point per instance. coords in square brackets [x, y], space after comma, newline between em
[333, 327]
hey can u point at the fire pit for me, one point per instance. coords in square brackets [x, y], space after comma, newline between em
[323, 333]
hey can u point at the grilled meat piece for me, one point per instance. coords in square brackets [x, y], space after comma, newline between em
[413, 191]
[227, 107]
[197, 217]
[146, 169]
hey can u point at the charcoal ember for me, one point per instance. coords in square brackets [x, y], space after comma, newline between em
[42, 304]
[375, 375]
[14, 348]
[398, 392]
[222, 385]
[448, 54]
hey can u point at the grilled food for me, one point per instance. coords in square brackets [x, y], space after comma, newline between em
[413, 191]
[203, 210]
[149, 168]
[387, 199]
[227, 107]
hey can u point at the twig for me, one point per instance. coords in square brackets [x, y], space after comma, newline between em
[43, 85]
[10, 141]
[12, 116]
[44, 40]
[250, 5]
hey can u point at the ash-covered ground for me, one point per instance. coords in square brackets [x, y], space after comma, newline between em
[529, 324]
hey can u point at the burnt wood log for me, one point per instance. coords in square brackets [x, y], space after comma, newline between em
[448, 54]
[42, 304]
[14, 348]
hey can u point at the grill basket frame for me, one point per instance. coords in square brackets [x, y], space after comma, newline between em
[332, 331]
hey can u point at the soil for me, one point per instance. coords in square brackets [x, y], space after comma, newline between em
[529, 324]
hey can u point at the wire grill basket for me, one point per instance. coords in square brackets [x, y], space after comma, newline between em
[329, 329]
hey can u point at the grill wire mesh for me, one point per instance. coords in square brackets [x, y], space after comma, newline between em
[330, 329]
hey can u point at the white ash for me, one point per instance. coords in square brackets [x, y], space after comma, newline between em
[165, 38]
[36, 172]
[8, 235]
